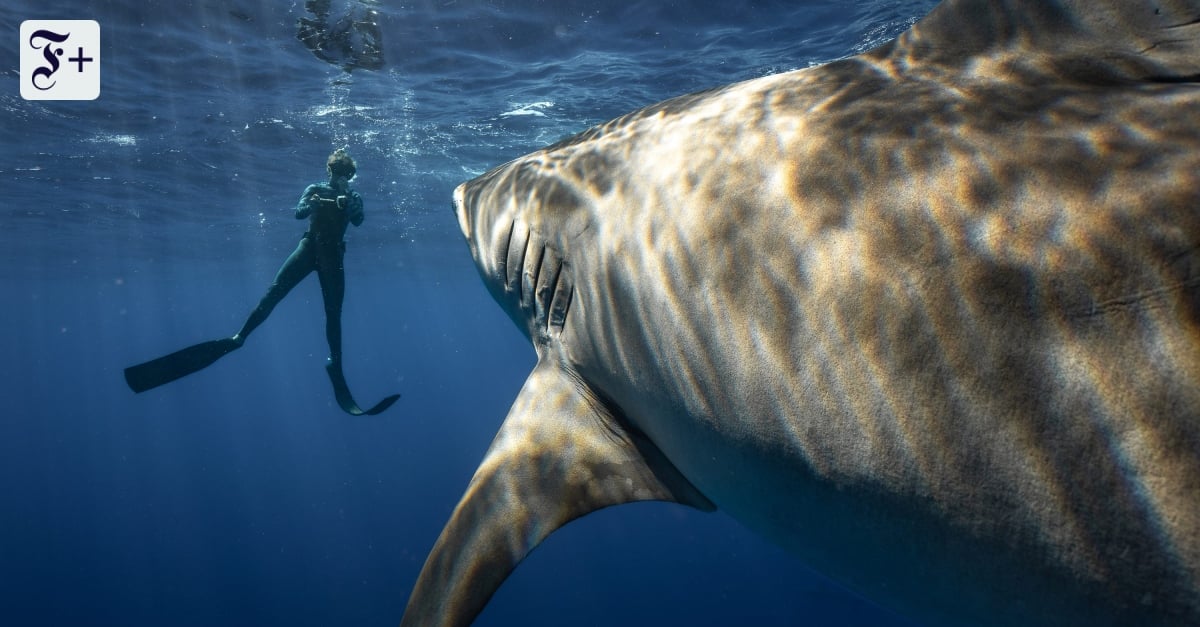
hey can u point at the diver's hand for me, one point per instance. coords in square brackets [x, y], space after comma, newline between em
[342, 202]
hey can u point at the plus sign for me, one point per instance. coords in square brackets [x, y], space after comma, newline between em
[80, 59]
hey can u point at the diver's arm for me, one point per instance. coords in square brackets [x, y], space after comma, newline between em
[307, 203]
[354, 209]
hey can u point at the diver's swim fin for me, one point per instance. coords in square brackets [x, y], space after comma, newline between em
[181, 363]
[342, 392]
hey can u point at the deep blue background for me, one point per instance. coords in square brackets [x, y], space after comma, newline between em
[155, 216]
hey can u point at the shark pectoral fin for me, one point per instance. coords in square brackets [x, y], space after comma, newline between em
[559, 455]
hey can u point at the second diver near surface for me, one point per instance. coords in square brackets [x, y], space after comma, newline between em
[330, 208]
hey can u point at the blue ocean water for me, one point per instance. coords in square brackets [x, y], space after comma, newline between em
[155, 216]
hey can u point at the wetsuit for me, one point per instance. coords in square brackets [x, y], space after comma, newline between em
[321, 249]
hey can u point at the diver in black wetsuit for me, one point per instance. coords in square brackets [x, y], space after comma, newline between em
[330, 208]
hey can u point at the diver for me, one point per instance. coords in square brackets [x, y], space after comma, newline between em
[330, 208]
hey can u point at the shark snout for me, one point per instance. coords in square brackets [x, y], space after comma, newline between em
[460, 210]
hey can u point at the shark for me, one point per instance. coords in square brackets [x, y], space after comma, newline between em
[927, 317]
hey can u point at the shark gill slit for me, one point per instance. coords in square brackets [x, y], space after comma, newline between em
[545, 296]
[502, 268]
[530, 276]
[562, 299]
[513, 280]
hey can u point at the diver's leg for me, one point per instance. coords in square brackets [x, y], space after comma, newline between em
[299, 264]
[333, 290]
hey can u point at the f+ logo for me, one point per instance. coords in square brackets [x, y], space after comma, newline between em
[43, 46]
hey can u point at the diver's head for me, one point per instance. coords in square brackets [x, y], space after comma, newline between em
[340, 164]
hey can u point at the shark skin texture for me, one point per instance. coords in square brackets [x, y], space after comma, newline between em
[927, 317]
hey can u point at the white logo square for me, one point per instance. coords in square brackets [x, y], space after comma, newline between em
[60, 59]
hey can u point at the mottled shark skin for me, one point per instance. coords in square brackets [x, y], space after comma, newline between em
[928, 317]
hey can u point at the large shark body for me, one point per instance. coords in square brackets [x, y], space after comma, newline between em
[928, 317]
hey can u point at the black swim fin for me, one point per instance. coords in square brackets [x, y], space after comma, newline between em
[181, 363]
[342, 392]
